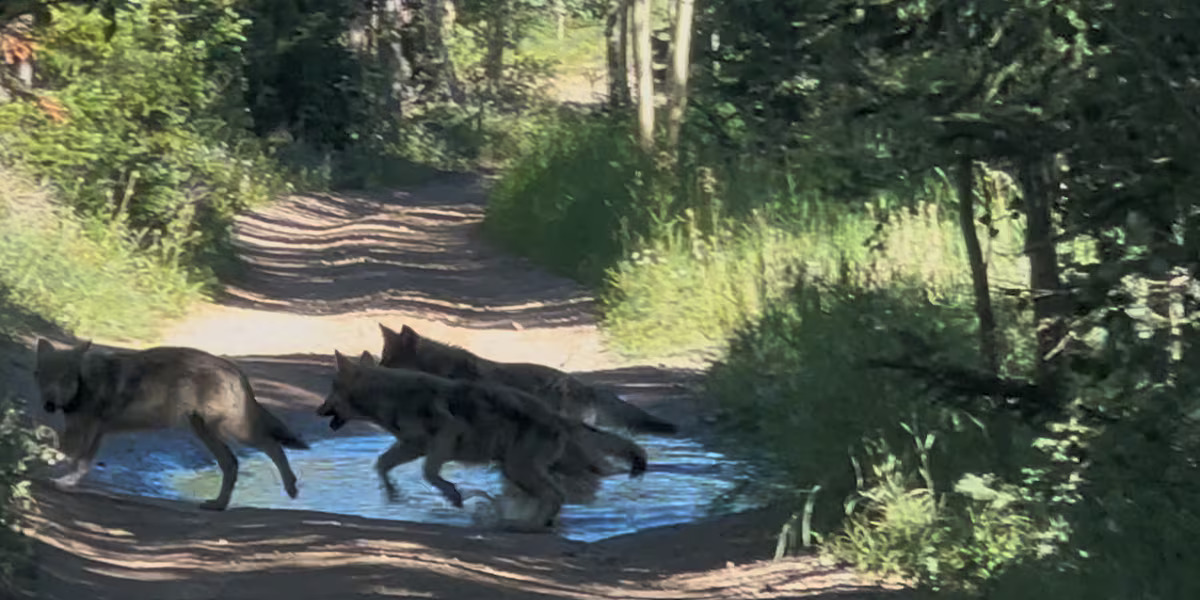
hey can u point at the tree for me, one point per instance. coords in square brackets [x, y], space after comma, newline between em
[499, 22]
[616, 49]
[443, 83]
[680, 68]
[644, 64]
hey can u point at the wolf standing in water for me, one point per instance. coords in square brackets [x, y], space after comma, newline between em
[565, 393]
[100, 392]
[547, 456]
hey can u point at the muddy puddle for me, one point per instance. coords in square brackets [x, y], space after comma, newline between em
[685, 482]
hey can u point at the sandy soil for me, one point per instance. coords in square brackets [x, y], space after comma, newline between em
[322, 271]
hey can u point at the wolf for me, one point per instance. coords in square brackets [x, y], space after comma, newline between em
[541, 453]
[101, 392]
[570, 396]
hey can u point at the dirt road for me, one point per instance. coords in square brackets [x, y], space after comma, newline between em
[322, 271]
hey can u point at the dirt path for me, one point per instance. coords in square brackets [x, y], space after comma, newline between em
[322, 272]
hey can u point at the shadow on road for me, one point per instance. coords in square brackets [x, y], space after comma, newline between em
[417, 251]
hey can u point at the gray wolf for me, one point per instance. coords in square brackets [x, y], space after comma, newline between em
[549, 457]
[570, 396]
[101, 392]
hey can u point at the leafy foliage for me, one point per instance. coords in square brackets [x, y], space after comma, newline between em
[91, 279]
[576, 198]
[147, 137]
[21, 449]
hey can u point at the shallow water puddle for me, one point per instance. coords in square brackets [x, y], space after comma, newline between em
[684, 482]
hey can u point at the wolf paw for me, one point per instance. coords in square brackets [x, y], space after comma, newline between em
[67, 482]
[215, 504]
[290, 488]
[454, 497]
[389, 490]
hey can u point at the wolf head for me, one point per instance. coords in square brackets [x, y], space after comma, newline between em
[408, 350]
[58, 374]
[337, 403]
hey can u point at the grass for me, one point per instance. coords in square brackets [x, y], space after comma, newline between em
[578, 57]
[574, 198]
[687, 292]
[88, 279]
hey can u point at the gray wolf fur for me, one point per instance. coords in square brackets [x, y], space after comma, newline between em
[568, 395]
[545, 455]
[100, 392]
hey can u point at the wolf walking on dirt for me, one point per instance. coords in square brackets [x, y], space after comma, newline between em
[101, 392]
[547, 456]
[568, 395]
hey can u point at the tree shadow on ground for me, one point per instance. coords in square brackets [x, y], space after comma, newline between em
[109, 546]
[101, 545]
[416, 251]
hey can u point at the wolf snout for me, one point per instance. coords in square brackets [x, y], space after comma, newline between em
[336, 423]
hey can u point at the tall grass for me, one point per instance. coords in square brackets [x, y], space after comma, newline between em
[575, 198]
[90, 279]
[687, 292]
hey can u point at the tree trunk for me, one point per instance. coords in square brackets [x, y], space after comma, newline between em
[616, 44]
[979, 272]
[498, 23]
[560, 18]
[1048, 299]
[677, 76]
[443, 82]
[390, 51]
[644, 61]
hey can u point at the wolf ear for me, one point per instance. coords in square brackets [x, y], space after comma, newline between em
[344, 365]
[387, 331]
[44, 346]
[84, 347]
[366, 359]
[407, 340]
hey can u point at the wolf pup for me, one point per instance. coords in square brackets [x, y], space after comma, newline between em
[570, 396]
[549, 457]
[100, 392]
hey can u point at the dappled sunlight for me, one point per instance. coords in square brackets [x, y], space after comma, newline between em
[182, 552]
[417, 253]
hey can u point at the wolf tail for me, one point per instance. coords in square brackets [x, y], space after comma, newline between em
[612, 444]
[272, 425]
[612, 411]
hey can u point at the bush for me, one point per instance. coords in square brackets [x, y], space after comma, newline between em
[92, 279]
[899, 524]
[21, 448]
[798, 382]
[688, 290]
[576, 199]
[140, 128]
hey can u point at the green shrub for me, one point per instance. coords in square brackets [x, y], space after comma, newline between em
[21, 448]
[900, 524]
[576, 199]
[92, 279]
[797, 381]
[140, 128]
[688, 290]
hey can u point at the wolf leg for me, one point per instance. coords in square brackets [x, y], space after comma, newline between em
[81, 443]
[225, 459]
[401, 452]
[441, 451]
[528, 467]
[275, 452]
